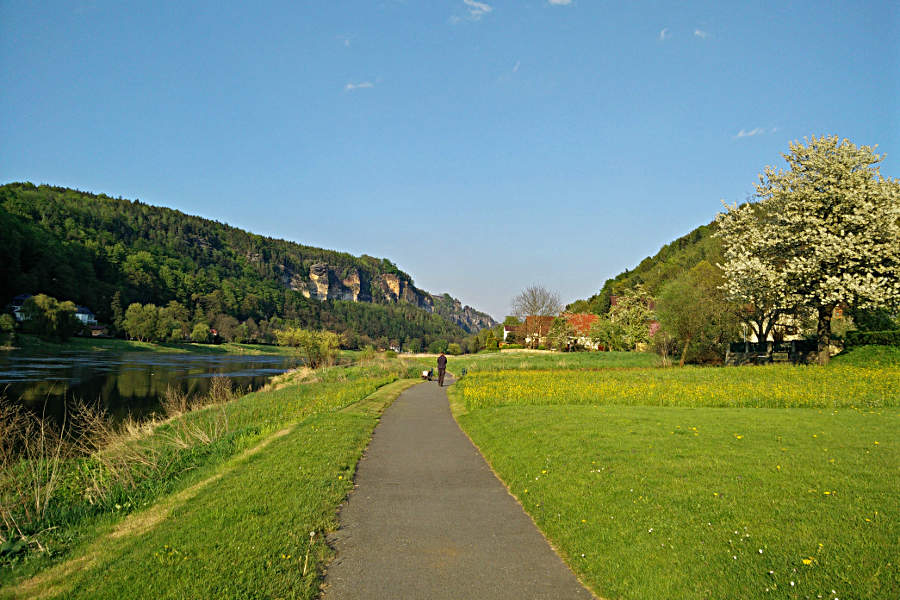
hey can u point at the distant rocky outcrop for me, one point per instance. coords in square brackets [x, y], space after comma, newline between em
[465, 316]
[326, 282]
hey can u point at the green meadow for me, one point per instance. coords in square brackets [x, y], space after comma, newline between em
[743, 482]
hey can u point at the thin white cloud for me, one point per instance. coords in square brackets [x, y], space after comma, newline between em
[358, 86]
[516, 66]
[477, 9]
[701, 34]
[560, 2]
[753, 132]
[664, 34]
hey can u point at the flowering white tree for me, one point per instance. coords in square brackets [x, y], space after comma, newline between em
[825, 232]
[754, 275]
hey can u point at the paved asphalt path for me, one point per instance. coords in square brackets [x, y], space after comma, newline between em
[428, 519]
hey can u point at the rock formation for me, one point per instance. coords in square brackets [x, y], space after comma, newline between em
[325, 282]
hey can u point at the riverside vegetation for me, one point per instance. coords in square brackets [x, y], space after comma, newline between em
[104, 512]
[744, 482]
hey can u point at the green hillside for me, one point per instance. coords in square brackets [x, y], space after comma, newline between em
[85, 247]
[672, 260]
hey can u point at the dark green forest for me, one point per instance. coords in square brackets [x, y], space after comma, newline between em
[85, 247]
[672, 261]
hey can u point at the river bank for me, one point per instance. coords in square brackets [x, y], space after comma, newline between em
[34, 344]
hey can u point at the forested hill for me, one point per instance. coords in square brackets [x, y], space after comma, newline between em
[85, 247]
[653, 272]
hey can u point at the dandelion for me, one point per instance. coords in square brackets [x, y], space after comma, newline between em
[807, 561]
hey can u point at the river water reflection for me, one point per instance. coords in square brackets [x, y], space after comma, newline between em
[124, 384]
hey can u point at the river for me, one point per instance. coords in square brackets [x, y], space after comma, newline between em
[124, 384]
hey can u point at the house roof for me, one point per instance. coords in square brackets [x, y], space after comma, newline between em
[580, 322]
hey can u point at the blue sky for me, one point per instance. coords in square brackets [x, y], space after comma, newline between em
[482, 146]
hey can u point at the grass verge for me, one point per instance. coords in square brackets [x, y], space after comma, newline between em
[247, 534]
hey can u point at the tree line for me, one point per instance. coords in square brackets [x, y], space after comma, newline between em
[108, 254]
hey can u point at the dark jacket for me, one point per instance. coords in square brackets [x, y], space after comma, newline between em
[442, 362]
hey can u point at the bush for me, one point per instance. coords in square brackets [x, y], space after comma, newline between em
[201, 333]
[319, 348]
[454, 349]
[367, 354]
[437, 346]
[890, 337]
[513, 347]
[390, 354]
[7, 330]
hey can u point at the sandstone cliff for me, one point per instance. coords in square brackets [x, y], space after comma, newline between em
[326, 282]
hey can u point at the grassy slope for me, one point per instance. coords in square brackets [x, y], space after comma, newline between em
[257, 500]
[662, 510]
[869, 356]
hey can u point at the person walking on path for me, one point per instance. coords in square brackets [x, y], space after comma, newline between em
[442, 368]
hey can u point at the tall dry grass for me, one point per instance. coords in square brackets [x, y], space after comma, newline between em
[32, 454]
[104, 457]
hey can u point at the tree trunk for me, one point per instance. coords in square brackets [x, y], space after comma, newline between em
[823, 332]
[684, 351]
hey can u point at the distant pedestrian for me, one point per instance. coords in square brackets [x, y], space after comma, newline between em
[442, 368]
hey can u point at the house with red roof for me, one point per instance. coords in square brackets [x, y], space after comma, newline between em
[581, 326]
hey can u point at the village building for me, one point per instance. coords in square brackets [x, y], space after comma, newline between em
[581, 326]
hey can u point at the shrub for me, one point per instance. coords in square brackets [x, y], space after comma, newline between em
[7, 330]
[437, 346]
[201, 333]
[390, 354]
[454, 349]
[319, 348]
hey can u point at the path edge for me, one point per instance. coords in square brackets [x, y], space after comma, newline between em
[462, 411]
